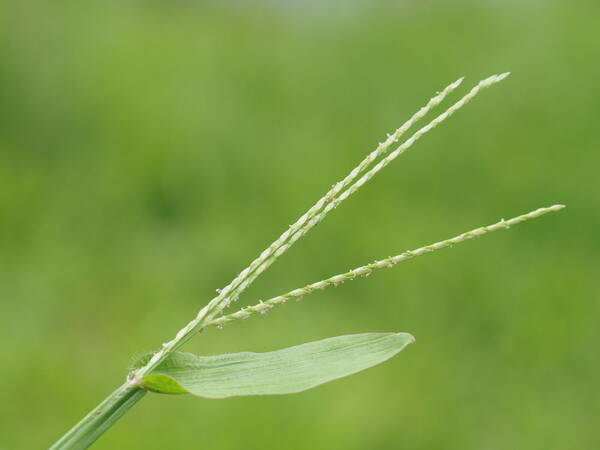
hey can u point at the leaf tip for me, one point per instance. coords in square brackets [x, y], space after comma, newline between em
[409, 338]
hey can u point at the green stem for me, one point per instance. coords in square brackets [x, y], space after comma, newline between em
[101, 418]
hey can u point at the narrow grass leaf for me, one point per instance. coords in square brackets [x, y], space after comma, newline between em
[293, 369]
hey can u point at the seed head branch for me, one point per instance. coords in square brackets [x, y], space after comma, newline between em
[264, 306]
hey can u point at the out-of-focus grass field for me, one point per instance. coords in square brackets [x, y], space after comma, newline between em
[149, 150]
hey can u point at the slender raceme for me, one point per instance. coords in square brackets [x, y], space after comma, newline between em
[265, 306]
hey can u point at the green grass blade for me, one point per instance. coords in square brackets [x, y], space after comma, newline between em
[293, 369]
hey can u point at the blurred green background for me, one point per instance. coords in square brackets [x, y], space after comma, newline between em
[149, 150]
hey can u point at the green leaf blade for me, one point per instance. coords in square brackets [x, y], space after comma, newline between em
[286, 371]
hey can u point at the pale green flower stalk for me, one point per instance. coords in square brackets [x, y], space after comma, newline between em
[110, 410]
[364, 271]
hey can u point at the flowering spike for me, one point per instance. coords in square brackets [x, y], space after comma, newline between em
[393, 260]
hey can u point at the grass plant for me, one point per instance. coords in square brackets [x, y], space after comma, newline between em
[297, 368]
